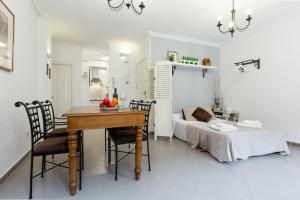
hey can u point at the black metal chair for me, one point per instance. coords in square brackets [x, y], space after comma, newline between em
[50, 124]
[41, 145]
[133, 105]
[127, 135]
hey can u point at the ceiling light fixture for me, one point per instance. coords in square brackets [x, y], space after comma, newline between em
[2, 45]
[232, 27]
[105, 58]
[124, 57]
[129, 4]
[96, 81]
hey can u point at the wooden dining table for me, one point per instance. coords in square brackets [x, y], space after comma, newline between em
[92, 117]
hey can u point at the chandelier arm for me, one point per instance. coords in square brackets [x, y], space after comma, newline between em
[135, 10]
[224, 32]
[242, 29]
[119, 7]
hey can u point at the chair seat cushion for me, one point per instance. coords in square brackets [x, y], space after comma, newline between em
[124, 135]
[59, 132]
[54, 145]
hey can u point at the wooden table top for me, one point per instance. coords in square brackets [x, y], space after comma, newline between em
[95, 110]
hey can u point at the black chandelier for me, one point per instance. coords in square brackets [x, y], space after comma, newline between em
[232, 26]
[129, 4]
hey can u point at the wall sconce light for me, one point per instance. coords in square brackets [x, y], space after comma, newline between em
[105, 58]
[97, 81]
[124, 57]
[3, 45]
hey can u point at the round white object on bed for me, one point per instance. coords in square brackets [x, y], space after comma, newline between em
[177, 116]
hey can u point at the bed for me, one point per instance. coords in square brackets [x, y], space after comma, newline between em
[179, 128]
[230, 146]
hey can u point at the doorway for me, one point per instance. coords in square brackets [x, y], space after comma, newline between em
[62, 88]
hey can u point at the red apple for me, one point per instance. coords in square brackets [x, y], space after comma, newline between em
[106, 101]
[111, 105]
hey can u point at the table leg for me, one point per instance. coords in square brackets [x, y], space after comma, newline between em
[72, 143]
[138, 152]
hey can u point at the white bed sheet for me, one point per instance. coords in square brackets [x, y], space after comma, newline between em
[236, 145]
[179, 128]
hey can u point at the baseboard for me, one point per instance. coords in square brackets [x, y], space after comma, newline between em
[13, 167]
[293, 144]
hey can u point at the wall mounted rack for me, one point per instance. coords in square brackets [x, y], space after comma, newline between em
[240, 65]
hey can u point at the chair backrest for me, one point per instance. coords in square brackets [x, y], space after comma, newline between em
[48, 115]
[32, 111]
[134, 104]
[146, 107]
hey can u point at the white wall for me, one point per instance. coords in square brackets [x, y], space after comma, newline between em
[272, 93]
[143, 50]
[20, 85]
[44, 84]
[190, 89]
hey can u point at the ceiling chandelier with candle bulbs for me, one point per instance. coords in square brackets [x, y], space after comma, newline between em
[232, 26]
[129, 4]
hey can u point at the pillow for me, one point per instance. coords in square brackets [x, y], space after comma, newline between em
[176, 116]
[209, 110]
[187, 114]
[202, 115]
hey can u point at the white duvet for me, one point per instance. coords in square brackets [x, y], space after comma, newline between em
[233, 145]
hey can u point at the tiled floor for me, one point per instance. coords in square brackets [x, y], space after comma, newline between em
[178, 172]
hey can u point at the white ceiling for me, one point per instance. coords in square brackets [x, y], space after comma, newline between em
[93, 21]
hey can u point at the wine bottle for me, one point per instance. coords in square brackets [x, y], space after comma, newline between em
[115, 95]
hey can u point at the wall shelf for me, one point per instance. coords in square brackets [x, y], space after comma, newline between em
[193, 67]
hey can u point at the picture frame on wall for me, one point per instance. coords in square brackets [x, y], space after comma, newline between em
[7, 33]
[172, 56]
[50, 73]
[47, 69]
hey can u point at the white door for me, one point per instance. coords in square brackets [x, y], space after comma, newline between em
[62, 88]
[141, 84]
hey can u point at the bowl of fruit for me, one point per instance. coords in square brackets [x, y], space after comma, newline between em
[107, 104]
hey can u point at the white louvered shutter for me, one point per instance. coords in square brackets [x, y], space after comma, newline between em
[150, 93]
[163, 97]
[150, 83]
[162, 82]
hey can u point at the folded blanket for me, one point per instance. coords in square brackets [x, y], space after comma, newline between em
[251, 122]
[250, 125]
[223, 127]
